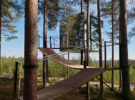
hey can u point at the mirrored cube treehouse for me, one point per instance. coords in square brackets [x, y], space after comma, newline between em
[73, 32]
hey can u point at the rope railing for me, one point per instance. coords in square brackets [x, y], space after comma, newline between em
[75, 47]
[78, 48]
[97, 44]
[52, 41]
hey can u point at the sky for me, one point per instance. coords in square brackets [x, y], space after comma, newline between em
[16, 47]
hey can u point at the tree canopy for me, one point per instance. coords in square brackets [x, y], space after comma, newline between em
[52, 12]
[11, 11]
[107, 13]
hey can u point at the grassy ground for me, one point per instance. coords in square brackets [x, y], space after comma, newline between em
[59, 71]
[6, 89]
[6, 92]
[94, 95]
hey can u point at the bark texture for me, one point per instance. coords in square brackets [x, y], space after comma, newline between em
[30, 55]
[45, 62]
[124, 50]
[100, 47]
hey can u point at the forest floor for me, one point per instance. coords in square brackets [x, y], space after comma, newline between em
[6, 92]
[6, 89]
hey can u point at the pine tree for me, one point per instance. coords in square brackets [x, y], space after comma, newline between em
[30, 60]
[124, 51]
[52, 12]
[107, 13]
[9, 13]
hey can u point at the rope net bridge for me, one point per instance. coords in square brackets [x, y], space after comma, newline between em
[71, 83]
[58, 59]
[68, 85]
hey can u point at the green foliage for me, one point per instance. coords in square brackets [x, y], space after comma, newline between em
[52, 12]
[57, 10]
[75, 29]
[106, 12]
[94, 37]
[8, 64]
[72, 30]
[56, 70]
[11, 11]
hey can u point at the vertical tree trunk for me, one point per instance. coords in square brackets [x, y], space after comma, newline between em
[87, 46]
[45, 64]
[81, 50]
[88, 31]
[68, 68]
[90, 36]
[112, 44]
[120, 56]
[30, 56]
[124, 50]
[81, 6]
[100, 46]
[0, 32]
[67, 46]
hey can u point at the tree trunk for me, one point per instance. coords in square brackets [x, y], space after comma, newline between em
[88, 31]
[124, 51]
[68, 68]
[0, 32]
[81, 52]
[112, 44]
[81, 6]
[67, 46]
[100, 46]
[120, 56]
[87, 46]
[45, 64]
[30, 56]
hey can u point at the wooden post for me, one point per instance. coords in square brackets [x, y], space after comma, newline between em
[67, 46]
[15, 81]
[81, 50]
[81, 57]
[105, 57]
[54, 42]
[45, 71]
[124, 51]
[19, 83]
[100, 47]
[85, 66]
[50, 42]
[112, 44]
[87, 47]
[90, 35]
[30, 54]
[120, 79]
[68, 69]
